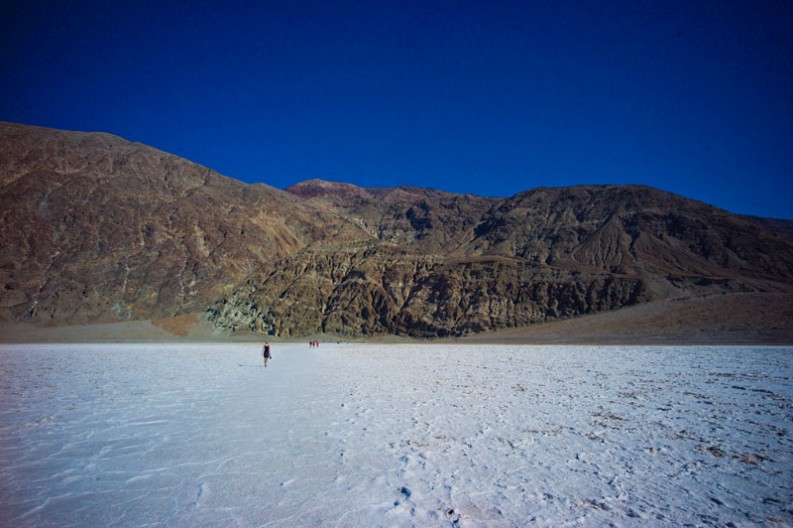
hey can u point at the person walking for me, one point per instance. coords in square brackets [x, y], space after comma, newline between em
[266, 353]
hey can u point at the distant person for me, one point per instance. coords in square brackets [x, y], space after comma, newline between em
[266, 353]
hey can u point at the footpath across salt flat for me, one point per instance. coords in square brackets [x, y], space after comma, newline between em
[395, 435]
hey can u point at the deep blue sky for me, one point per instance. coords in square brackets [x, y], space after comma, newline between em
[489, 97]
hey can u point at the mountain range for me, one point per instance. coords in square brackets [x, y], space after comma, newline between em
[98, 229]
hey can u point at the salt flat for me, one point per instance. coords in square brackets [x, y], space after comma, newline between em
[395, 435]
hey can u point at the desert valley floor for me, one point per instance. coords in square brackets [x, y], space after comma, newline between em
[365, 435]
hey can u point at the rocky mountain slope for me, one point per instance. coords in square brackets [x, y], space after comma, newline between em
[539, 256]
[95, 228]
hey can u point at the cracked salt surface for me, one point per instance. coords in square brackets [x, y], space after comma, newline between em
[395, 435]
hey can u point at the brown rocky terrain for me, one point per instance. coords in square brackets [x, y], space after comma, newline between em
[425, 220]
[540, 256]
[98, 229]
[384, 289]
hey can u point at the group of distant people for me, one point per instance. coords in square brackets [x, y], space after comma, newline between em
[267, 354]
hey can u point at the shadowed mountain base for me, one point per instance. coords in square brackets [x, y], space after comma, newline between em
[722, 319]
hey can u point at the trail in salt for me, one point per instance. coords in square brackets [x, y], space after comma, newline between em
[395, 435]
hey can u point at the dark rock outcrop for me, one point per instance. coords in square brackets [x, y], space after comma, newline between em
[383, 289]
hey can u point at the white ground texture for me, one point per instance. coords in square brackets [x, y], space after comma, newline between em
[395, 435]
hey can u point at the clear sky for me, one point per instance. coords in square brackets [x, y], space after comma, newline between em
[487, 97]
